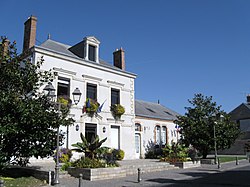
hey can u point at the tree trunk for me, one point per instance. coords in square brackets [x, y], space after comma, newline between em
[204, 154]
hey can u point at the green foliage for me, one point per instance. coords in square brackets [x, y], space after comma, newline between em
[197, 125]
[92, 108]
[22, 182]
[66, 103]
[86, 162]
[27, 119]
[89, 148]
[64, 155]
[65, 166]
[117, 110]
[174, 153]
[153, 153]
[118, 154]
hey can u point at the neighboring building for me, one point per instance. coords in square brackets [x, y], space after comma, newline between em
[154, 126]
[240, 115]
[79, 66]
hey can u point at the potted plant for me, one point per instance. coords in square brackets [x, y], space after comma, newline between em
[65, 103]
[117, 110]
[90, 107]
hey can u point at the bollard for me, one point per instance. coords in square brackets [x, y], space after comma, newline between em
[219, 166]
[139, 175]
[237, 161]
[1, 183]
[50, 179]
[80, 180]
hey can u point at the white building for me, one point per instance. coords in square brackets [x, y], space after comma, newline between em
[79, 66]
[154, 126]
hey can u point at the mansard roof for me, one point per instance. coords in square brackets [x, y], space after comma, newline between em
[63, 49]
[154, 110]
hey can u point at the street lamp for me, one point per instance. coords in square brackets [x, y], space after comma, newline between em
[49, 88]
[218, 117]
[215, 145]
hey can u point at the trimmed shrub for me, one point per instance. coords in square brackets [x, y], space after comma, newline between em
[174, 153]
[118, 154]
[154, 153]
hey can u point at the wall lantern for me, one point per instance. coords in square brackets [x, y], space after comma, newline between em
[104, 129]
[76, 95]
[77, 127]
[49, 90]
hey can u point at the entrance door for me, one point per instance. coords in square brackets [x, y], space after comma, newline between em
[137, 145]
[115, 137]
[90, 131]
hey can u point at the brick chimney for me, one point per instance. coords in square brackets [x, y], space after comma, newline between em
[29, 33]
[119, 58]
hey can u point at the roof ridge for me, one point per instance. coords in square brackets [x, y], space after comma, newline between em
[59, 43]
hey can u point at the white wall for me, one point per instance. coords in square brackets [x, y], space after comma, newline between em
[80, 73]
[148, 132]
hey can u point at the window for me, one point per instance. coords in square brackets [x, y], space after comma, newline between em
[137, 127]
[157, 135]
[90, 131]
[115, 96]
[150, 110]
[92, 53]
[92, 91]
[168, 113]
[164, 135]
[63, 86]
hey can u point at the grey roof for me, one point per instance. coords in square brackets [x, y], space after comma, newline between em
[241, 112]
[154, 110]
[63, 49]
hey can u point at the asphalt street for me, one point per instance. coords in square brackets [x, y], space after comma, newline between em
[229, 174]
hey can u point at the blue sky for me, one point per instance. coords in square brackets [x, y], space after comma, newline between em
[177, 48]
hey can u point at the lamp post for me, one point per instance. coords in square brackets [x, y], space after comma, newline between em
[51, 94]
[215, 145]
[219, 117]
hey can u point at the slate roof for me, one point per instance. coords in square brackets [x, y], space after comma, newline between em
[63, 49]
[241, 112]
[154, 110]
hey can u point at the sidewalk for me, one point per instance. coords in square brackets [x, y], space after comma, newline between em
[164, 178]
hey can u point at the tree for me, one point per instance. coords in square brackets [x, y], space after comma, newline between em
[28, 119]
[198, 124]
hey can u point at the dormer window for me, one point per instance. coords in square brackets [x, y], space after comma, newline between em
[92, 53]
[91, 49]
[88, 49]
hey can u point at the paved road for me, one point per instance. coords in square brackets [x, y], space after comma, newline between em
[206, 176]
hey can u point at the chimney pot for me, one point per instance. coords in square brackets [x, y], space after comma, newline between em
[248, 99]
[119, 58]
[29, 33]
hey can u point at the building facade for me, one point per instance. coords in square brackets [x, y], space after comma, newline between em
[79, 66]
[154, 127]
[143, 125]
